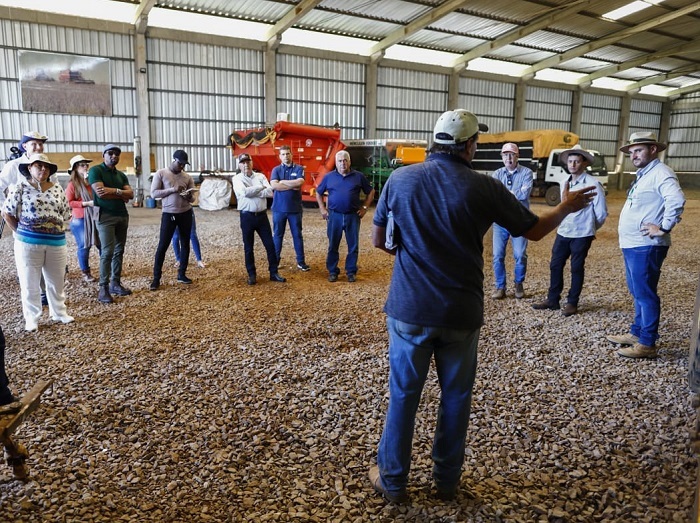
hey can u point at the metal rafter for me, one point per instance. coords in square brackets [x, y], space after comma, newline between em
[141, 15]
[608, 40]
[693, 45]
[416, 25]
[658, 78]
[537, 24]
[684, 90]
[289, 19]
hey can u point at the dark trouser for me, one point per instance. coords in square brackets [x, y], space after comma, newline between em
[350, 225]
[5, 394]
[279, 221]
[563, 248]
[112, 230]
[168, 222]
[252, 222]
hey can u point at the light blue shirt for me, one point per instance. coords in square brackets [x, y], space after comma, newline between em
[655, 197]
[519, 183]
[588, 220]
[251, 191]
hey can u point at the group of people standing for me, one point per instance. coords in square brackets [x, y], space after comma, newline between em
[653, 207]
[435, 303]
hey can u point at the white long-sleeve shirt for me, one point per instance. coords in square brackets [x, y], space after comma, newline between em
[587, 221]
[251, 191]
[655, 197]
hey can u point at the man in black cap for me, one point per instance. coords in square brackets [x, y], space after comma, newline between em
[252, 190]
[175, 188]
[111, 189]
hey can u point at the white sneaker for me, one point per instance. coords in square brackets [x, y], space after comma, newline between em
[64, 319]
[201, 264]
[31, 326]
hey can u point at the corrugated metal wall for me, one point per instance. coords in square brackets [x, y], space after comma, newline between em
[683, 154]
[322, 92]
[198, 95]
[547, 108]
[600, 121]
[645, 115]
[492, 102]
[66, 132]
[409, 103]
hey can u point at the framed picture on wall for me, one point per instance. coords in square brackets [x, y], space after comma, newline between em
[65, 83]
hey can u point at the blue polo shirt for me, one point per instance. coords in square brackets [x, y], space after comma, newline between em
[287, 201]
[344, 191]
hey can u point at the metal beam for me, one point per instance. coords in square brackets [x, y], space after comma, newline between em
[608, 40]
[683, 90]
[141, 15]
[538, 23]
[658, 78]
[693, 45]
[416, 25]
[289, 19]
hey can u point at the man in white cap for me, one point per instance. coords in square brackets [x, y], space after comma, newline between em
[436, 296]
[653, 207]
[111, 191]
[575, 234]
[518, 180]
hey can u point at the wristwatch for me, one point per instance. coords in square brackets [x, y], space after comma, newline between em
[364, 207]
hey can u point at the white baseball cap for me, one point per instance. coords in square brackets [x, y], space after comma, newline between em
[456, 127]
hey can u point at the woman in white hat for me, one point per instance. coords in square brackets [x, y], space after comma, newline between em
[83, 223]
[36, 210]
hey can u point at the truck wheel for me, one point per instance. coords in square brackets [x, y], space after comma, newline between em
[552, 196]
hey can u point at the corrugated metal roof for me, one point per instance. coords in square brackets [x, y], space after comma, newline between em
[479, 21]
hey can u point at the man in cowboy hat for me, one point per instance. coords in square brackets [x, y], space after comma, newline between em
[655, 200]
[575, 233]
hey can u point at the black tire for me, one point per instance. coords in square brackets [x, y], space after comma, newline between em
[552, 196]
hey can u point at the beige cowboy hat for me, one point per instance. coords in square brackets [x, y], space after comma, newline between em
[643, 138]
[576, 149]
[34, 158]
[77, 158]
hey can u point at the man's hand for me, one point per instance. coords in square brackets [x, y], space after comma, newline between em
[652, 230]
[577, 200]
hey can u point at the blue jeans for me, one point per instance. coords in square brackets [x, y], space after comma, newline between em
[337, 224]
[112, 230]
[193, 238]
[252, 222]
[643, 269]
[563, 247]
[500, 242]
[279, 222]
[169, 223]
[77, 227]
[411, 347]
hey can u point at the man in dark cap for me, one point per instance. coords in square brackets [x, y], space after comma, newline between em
[175, 188]
[653, 207]
[252, 190]
[111, 190]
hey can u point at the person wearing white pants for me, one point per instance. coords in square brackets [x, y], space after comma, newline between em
[36, 210]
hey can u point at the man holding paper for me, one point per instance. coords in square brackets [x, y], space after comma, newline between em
[176, 189]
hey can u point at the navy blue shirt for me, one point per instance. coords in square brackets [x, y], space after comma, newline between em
[442, 209]
[287, 201]
[344, 191]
